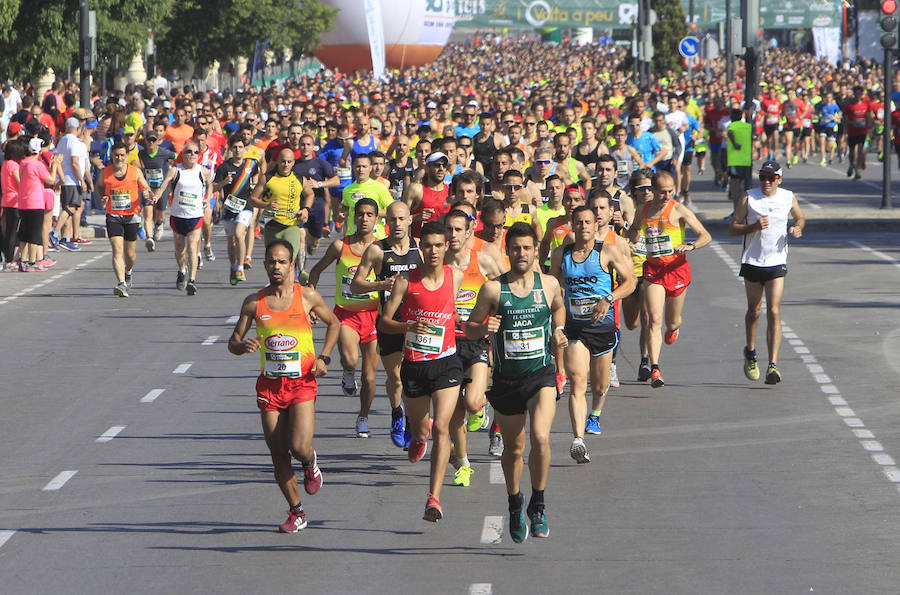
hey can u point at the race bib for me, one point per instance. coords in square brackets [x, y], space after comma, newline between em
[771, 119]
[581, 307]
[622, 167]
[282, 364]
[121, 200]
[526, 343]
[349, 295]
[658, 244]
[640, 248]
[154, 176]
[807, 122]
[430, 342]
[858, 123]
[235, 204]
[344, 173]
[189, 201]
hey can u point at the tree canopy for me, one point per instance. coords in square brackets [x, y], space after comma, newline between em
[36, 35]
[670, 27]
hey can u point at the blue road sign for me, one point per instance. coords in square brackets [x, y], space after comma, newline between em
[689, 46]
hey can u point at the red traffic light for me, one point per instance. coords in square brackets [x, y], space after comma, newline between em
[888, 6]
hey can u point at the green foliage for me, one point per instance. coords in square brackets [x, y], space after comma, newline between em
[670, 27]
[202, 31]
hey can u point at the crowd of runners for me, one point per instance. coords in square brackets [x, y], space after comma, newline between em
[495, 220]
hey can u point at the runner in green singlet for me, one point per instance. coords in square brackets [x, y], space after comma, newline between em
[517, 307]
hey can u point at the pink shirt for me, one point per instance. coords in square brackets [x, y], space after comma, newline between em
[32, 174]
[9, 184]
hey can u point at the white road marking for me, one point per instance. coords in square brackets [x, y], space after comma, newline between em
[59, 481]
[497, 473]
[43, 282]
[232, 320]
[210, 340]
[808, 202]
[841, 407]
[182, 368]
[152, 395]
[7, 533]
[110, 433]
[492, 530]
[480, 589]
[874, 252]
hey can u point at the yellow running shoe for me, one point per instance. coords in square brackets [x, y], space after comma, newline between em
[463, 476]
[475, 421]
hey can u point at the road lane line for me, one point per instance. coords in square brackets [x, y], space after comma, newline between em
[59, 481]
[48, 280]
[7, 533]
[232, 320]
[152, 395]
[480, 589]
[210, 340]
[874, 252]
[497, 473]
[182, 368]
[865, 436]
[110, 434]
[492, 530]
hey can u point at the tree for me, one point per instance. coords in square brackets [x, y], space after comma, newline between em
[44, 34]
[670, 27]
[201, 31]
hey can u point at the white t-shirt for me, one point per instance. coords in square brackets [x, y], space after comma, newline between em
[71, 146]
[767, 247]
[676, 120]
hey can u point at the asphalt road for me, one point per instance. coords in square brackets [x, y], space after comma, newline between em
[120, 474]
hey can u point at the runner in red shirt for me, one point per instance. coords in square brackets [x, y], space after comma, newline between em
[771, 110]
[711, 120]
[792, 110]
[806, 133]
[858, 117]
[876, 106]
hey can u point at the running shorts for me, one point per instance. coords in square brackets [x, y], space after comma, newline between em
[278, 394]
[243, 218]
[183, 226]
[421, 379]
[317, 218]
[687, 158]
[389, 343]
[362, 322]
[597, 340]
[510, 395]
[291, 233]
[115, 227]
[755, 274]
[743, 173]
[855, 140]
[770, 128]
[806, 132]
[473, 352]
[675, 277]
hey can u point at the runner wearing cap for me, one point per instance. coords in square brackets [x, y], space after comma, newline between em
[762, 219]
[154, 162]
[427, 200]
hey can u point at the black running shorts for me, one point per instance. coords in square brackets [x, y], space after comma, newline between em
[509, 395]
[422, 379]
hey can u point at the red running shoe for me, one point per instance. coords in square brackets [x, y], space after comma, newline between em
[671, 337]
[312, 477]
[82, 241]
[295, 522]
[433, 510]
[416, 450]
[656, 379]
[560, 382]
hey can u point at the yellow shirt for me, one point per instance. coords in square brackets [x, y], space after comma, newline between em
[289, 192]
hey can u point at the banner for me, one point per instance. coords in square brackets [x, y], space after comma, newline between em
[439, 20]
[375, 27]
[610, 14]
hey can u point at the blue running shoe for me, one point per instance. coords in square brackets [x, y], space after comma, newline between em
[69, 245]
[407, 434]
[398, 431]
[54, 241]
[538, 520]
[141, 233]
[518, 527]
[593, 425]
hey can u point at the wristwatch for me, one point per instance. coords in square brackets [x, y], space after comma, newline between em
[609, 298]
[325, 359]
[320, 183]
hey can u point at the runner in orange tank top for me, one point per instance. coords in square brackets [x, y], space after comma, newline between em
[467, 254]
[431, 371]
[666, 271]
[286, 387]
[120, 191]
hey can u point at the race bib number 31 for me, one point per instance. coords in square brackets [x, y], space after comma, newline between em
[523, 343]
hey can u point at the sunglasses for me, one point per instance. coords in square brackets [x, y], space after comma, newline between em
[514, 186]
[767, 177]
[531, 123]
[543, 162]
[509, 121]
[649, 187]
[191, 152]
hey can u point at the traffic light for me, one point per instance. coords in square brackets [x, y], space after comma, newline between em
[888, 22]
